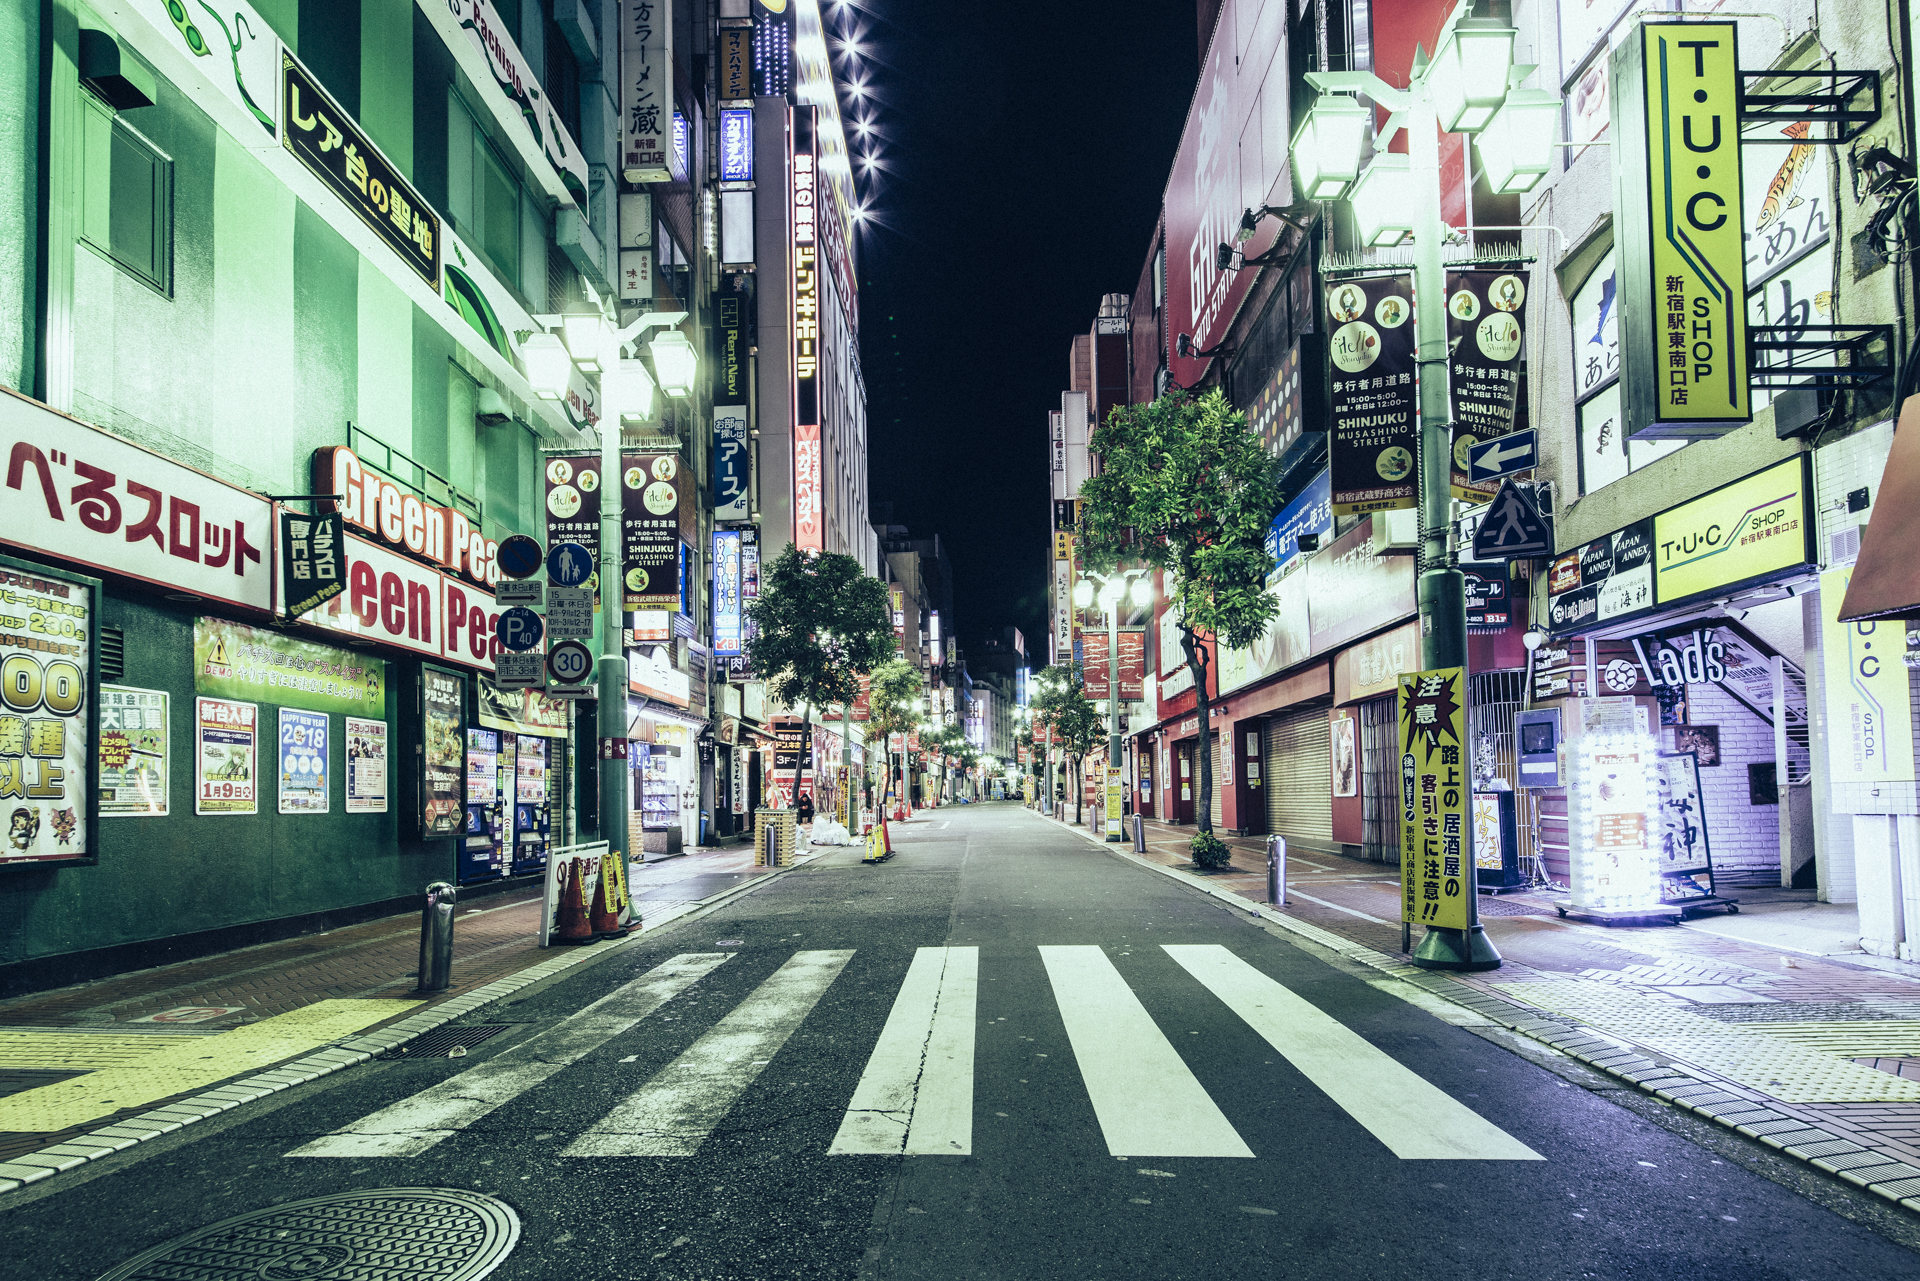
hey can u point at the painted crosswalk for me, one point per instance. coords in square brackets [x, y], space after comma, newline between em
[916, 1092]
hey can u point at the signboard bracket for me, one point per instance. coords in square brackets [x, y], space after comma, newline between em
[1821, 97]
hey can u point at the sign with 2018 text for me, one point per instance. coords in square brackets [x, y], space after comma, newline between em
[1436, 840]
[1683, 278]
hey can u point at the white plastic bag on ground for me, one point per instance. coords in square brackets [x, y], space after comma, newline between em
[828, 832]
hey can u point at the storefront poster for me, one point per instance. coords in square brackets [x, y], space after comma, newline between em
[1869, 708]
[48, 724]
[521, 711]
[226, 757]
[1682, 852]
[1435, 840]
[1346, 753]
[305, 751]
[443, 740]
[656, 516]
[366, 766]
[1375, 396]
[135, 747]
[232, 660]
[1486, 324]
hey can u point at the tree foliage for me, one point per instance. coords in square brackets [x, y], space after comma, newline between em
[891, 693]
[1185, 487]
[1060, 699]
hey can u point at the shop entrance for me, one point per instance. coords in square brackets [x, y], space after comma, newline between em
[1185, 781]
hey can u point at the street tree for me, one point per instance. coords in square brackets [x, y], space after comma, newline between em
[819, 623]
[893, 695]
[1187, 488]
[1061, 701]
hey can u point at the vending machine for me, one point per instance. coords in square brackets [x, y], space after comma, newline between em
[482, 849]
[532, 812]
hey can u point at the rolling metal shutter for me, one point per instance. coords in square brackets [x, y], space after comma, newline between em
[1222, 762]
[1299, 776]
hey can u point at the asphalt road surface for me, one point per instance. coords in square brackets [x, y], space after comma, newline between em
[1004, 1054]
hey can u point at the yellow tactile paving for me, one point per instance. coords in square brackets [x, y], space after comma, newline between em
[1747, 1053]
[1864, 1038]
[178, 1068]
[79, 1051]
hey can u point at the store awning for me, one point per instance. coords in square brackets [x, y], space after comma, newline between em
[1886, 577]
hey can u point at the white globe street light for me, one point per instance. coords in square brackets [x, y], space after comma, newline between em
[1516, 147]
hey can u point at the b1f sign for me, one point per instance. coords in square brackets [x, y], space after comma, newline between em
[1682, 278]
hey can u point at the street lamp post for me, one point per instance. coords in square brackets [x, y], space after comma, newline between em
[1470, 86]
[1122, 585]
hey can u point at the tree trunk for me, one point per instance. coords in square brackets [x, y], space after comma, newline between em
[806, 751]
[1197, 664]
[1079, 791]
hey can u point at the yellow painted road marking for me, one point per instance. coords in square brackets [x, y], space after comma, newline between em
[79, 1052]
[200, 1062]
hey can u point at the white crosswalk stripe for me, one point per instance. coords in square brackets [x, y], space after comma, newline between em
[916, 1096]
[413, 1125]
[1146, 1098]
[1415, 1119]
[672, 1114]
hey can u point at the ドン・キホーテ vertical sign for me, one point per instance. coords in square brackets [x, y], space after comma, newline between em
[1677, 193]
[809, 527]
[1435, 837]
[49, 720]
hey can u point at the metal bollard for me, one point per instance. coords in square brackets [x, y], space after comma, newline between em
[1139, 835]
[1277, 870]
[436, 937]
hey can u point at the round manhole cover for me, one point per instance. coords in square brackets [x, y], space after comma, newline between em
[421, 1234]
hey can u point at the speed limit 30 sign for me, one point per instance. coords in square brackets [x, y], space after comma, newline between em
[570, 663]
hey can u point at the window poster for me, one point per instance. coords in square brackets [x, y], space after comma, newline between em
[134, 746]
[304, 753]
[444, 751]
[226, 756]
[366, 766]
[47, 721]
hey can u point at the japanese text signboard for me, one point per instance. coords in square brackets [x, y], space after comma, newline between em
[656, 515]
[326, 140]
[730, 465]
[311, 560]
[1486, 324]
[529, 115]
[1435, 835]
[232, 660]
[736, 55]
[1375, 395]
[1869, 728]
[1683, 277]
[1754, 528]
[646, 106]
[49, 718]
[809, 524]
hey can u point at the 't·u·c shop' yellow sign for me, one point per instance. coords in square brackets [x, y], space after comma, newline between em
[1752, 529]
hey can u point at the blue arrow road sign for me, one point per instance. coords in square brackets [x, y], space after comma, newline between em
[520, 629]
[519, 556]
[1501, 456]
[1512, 527]
[569, 565]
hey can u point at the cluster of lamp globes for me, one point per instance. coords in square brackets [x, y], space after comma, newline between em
[1471, 86]
[594, 347]
[1135, 587]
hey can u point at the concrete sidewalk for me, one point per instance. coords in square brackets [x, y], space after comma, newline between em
[88, 1069]
[1770, 1022]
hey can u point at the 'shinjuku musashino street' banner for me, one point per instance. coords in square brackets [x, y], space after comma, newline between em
[1486, 328]
[656, 514]
[1375, 403]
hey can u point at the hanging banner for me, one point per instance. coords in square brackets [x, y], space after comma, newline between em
[312, 561]
[443, 740]
[1133, 653]
[573, 504]
[520, 711]
[366, 766]
[1486, 333]
[1683, 266]
[135, 747]
[232, 660]
[304, 753]
[48, 723]
[226, 756]
[1375, 401]
[1435, 837]
[656, 515]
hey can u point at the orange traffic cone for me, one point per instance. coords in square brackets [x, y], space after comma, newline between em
[604, 917]
[571, 924]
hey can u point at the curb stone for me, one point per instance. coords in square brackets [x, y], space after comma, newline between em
[328, 1059]
[1831, 1154]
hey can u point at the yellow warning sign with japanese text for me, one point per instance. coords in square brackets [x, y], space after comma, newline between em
[1436, 839]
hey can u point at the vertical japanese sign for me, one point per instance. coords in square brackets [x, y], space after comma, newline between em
[48, 720]
[1683, 271]
[809, 525]
[728, 608]
[656, 513]
[1375, 403]
[135, 747]
[898, 603]
[443, 750]
[312, 561]
[366, 766]
[326, 141]
[304, 752]
[226, 757]
[736, 144]
[1434, 798]
[1486, 331]
[730, 472]
[646, 80]
[1869, 707]
[573, 502]
[736, 59]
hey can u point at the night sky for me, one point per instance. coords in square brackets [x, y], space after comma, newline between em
[1026, 147]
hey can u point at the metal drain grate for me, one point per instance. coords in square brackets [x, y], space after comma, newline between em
[419, 1234]
[435, 1044]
